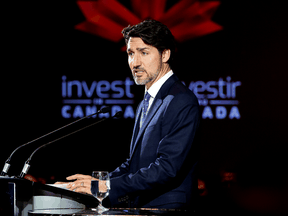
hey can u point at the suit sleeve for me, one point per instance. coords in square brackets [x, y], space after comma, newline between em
[180, 123]
[121, 170]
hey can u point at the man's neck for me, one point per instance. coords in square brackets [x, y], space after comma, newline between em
[153, 90]
[164, 71]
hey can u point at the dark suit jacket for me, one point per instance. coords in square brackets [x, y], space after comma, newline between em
[163, 156]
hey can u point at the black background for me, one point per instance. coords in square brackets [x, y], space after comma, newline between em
[40, 45]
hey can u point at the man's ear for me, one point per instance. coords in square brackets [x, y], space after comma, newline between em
[166, 55]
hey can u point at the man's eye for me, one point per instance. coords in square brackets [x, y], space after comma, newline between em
[144, 53]
[130, 54]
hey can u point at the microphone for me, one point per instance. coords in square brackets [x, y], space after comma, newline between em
[7, 165]
[27, 163]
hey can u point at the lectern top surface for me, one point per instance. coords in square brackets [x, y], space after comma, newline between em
[112, 211]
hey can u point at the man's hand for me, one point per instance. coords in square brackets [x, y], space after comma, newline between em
[82, 183]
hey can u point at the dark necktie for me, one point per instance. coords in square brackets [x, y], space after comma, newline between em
[145, 107]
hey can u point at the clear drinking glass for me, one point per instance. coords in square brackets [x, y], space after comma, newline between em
[100, 186]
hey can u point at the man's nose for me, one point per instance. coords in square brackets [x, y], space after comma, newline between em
[136, 62]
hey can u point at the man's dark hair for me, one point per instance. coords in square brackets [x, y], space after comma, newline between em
[153, 33]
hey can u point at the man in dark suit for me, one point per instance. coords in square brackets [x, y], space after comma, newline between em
[161, 169]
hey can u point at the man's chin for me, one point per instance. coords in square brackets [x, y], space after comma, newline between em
[140, 81]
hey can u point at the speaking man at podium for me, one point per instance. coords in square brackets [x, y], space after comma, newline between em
[161, 169]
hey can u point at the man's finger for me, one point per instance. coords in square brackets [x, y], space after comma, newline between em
[72, 186]
[83, 190]
[60, 183]
[72, 177]
[77, 176]
[79, 183]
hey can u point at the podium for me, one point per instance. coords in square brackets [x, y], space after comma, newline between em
[16, 196]
[20, 196]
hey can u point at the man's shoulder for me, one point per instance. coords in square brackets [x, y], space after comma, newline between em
[177, 92]
[182, 93]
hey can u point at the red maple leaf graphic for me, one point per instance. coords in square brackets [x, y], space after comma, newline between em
[187, 19]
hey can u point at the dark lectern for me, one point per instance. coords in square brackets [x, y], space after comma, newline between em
[20, 196]
[16, 196]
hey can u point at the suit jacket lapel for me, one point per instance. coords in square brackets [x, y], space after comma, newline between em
[153, 109]
[136, 126]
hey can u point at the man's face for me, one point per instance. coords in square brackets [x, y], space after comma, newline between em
[144, 61]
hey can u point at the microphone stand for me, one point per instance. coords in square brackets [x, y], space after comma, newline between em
[27, 163]
[7, 163]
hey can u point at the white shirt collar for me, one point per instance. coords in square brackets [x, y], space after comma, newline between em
[153, 90]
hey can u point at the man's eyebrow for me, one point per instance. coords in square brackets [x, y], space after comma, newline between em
[139, 49]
